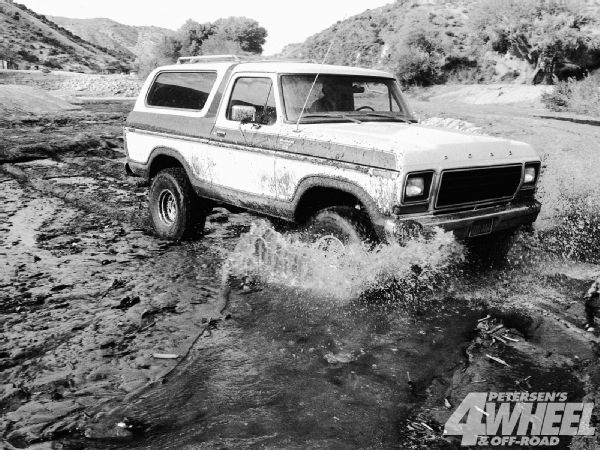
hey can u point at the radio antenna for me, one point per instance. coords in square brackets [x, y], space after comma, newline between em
[313, 83]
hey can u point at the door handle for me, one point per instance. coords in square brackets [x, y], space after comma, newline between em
[220, 134]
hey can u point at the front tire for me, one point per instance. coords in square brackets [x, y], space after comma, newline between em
[177, 212]
[344, 223]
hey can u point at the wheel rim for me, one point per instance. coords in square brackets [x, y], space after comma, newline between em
[329, 242]
[167, 207]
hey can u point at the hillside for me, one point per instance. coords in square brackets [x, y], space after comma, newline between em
[29, 39]
[128, 41]
[436, 41]
[365, 39]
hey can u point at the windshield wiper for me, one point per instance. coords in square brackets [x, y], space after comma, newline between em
[389, 116]
[334, 116]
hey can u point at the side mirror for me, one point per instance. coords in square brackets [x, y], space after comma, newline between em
[243, 113]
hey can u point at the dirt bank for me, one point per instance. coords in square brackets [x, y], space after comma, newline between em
[15, 99]
[485, 94]
[70, 84]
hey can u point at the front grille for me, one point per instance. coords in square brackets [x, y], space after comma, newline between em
[471, 186]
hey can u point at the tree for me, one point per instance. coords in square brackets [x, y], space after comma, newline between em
[417, 51]
[165, 52]
[246, 32]
[219, 44]
[236, 35]
[7, 53]
[192, 34]
[546, 34]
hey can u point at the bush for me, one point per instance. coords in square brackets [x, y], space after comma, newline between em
[546, 34]
[417, 67]
[418, 51]
[581, 97]
[164, 52]
[28, 57]
[52, 63]
[576, 235]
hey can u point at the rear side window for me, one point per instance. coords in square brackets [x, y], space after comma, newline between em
[181, 90]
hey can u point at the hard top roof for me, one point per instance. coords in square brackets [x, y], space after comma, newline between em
[273, 66]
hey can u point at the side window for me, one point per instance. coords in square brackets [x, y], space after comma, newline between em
[252, 100]
[181, 90]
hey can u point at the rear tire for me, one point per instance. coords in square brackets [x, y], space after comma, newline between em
[177, 212]
[344, 223]
[490, 251]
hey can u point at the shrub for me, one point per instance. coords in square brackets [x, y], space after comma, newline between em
[418, 51]
[164, 52]
[577, 230]
[543, 33]
[28, 57]
[52, 63]
[414, 66]
[581, 97]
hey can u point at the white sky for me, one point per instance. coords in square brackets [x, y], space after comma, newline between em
[286, 21]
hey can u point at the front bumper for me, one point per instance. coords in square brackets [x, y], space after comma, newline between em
[503, 217]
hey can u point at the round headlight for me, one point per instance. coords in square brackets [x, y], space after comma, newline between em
[529, 175]
[415, 187]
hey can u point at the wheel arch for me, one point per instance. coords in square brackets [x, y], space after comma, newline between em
[318, 192]
[164, 157]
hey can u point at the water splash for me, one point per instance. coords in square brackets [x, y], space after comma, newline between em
[343, 273]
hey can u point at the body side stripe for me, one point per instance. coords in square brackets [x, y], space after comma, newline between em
[360, 158]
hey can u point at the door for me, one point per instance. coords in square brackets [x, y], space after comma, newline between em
[246, 131]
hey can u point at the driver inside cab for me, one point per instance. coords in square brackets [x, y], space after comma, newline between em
[335, 96]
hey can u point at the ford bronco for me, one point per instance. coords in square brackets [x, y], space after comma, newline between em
[334, 148]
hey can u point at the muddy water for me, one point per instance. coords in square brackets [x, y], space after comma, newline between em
[311, 365]
[278, 374]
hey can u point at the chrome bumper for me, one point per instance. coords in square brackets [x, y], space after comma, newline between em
[502, 218]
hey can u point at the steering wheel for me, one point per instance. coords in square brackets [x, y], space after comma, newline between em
[365, 107]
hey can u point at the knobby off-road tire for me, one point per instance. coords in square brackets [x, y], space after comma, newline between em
[490, 251]
[177, 212]
[347, 224]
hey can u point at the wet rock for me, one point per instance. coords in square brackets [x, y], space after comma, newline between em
[219, 218]
[165, 355]
[23, 436]
[142, 362]
[60, 287]
[12, 397]
[136, 426]
[164, 302]
[60, 305]
[107, 432]
[339, 358]
[37, 412]
[133, 385]
[127, 303]
[108, 343]
[93, 388]
[46, 445]
[101, 373]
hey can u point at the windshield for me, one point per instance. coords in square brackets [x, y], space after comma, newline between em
[344, 97]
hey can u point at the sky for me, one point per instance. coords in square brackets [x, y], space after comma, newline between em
[286, 21]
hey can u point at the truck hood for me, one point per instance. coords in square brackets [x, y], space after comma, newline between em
[419, 146]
